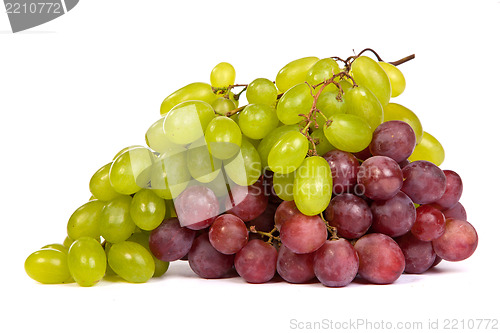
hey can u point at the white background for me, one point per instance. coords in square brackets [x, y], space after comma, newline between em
[76, 90]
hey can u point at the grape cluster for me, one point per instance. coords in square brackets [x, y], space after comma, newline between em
[319, 176]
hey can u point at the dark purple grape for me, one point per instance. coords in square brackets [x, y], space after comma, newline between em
[303, 234]
[404, 163]
[424, 182]
[458, 242]
[265, 221]
[344, 167]
[395, 139]
[169, 241]
[419, 255]
[284, 211]
[196, 207]
[393, 217]
[364, 154]
[456, 212]
[453, 191]
[267, 182]
[256, 262]
[293, 267]
[350, 214]
[336, 263]
[381, 177]
[247, 202]
[381, 260]
[206, 261]
[429, 223]
[228, 234]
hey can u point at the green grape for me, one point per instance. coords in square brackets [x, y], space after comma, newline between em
[85, 220]
[195, 91]
[222, 75]
[270, 140]
[321, 71]
[361, 102]
[68, 241]
[115, 222]
[262, 91]
[223, 105]
[99, 185]
[232, 97]
[48, 266]
[329, 105]
[297, 100]
[321, 142]
[345, 85]
[147, 210]
[157, 138]
[223, 137]
[170, 174]
[288, 153]
[130, 171]
[257, 120]
[348, 132]
[86, 261]
[186, 122]
[245, 168]
[368, 73]
[294, 72]
[283, 185]
[429, 149]
[131, 261]
[142, 238]
[126, 149]
[398, 82]
[394, 111]
[56, 246]
[201, 164]
[312, 187]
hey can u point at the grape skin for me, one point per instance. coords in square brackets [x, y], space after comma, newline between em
[429, 223]
[350, 214]
[247, 202]
[381, 177]
[256, 262]
[284, 212]
[206, 261]
[228, 234]
[453, 191]
[424, 182]
[344, 167]
[381, 260]
[293, 267]
[336, 263]
[197, 207]
[395, 139]
[456, 212]
[419, 255]
[170, 241]
[393, 217]
[458, 242]
[303, 234]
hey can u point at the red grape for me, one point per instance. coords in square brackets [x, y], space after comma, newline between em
[456, 212]
[350, 214]
[228, 234]
[336, 263]
[206, 261]
[344, 167]
[419, 255]
[395, 139]
[293, 267]
[303, 234]
[458, 242]
[424, 182]
[453, 191]
[393, 217]
[256, 262]
[196, 207]
[247, 202]
[429, 223]
[284, 211]
[381, 177]
[169, 241]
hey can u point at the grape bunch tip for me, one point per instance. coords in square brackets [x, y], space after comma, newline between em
[319, 177]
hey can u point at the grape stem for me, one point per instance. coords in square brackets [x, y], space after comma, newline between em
[331, 230]
[269, 234]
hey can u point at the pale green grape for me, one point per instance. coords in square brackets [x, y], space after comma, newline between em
[195, 91]
[257, 120]
[329, 105]
[321, 71]
[99, 184]
[68, 241]
[170, 174]
[131, 170]
[398, 82]
[85, 220]
[297, 100]
[245, 168]
[394, 111]
[157, 138]
[48, 266]
[126, 149]
[294, 72]
[361, 102]
[283, 185]
[262, 91]
[322, 144]
[186, 122]
[367, 72]
[223, 137]
[56, 246]
[131, 261]
[223, 105]
[345, 85]
[115, 222]
[270, 140]
[429, 149]
[201, 164]
[142, 238]
[147, 210]
[86, 261]
[288, 153]
[222, 75]
[348, 132]
[312, 187]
